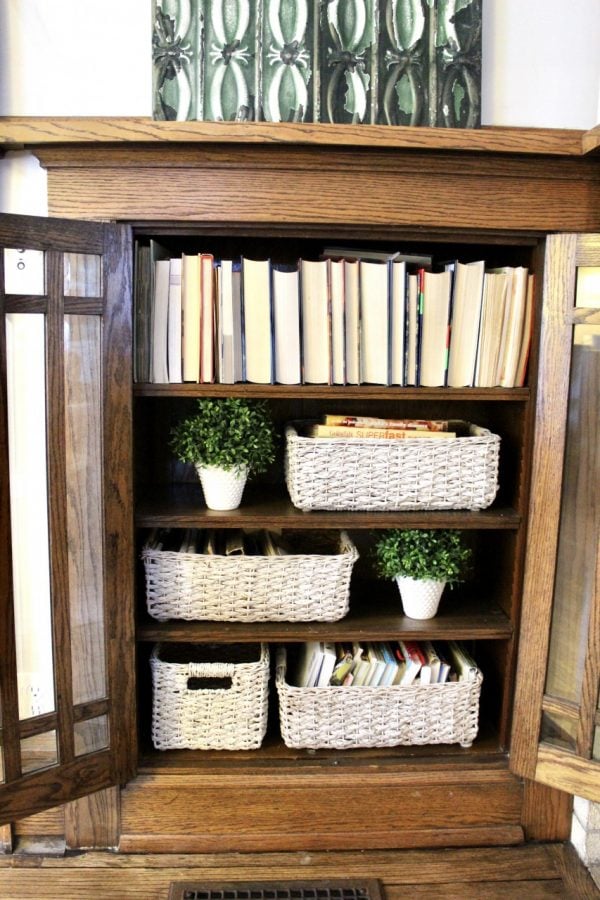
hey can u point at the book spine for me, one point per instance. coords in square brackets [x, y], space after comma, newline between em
[339, 431]
[372, 422]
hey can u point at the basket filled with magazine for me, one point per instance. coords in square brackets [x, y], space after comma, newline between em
[384, 694]
[248, 576]
[358, 463]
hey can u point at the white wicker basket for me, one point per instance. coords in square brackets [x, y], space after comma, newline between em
[382, 474]
[340, 718]
[293, 588]
[209, 697]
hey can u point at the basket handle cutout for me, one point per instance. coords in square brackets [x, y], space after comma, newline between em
[196, 683]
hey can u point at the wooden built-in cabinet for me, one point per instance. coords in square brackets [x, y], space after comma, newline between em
[284, 194]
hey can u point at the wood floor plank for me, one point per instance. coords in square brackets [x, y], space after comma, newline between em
[532, 871]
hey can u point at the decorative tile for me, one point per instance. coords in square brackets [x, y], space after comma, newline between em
[392, 62]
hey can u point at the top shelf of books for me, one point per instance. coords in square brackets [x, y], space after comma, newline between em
[17, 132]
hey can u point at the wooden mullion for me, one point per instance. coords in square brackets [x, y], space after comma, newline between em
[19, 303]
[591, 674]
[9, 714]
[118, 499]
[57, 504]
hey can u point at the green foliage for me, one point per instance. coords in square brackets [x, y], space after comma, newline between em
[440, 555]
[228, 432]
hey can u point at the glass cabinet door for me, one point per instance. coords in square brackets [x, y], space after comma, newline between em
[557, 721]
[66, 666]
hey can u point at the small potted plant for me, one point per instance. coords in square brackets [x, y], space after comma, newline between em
[422, 562]
[226, 439]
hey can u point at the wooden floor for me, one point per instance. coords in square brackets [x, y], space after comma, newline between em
[530, 871]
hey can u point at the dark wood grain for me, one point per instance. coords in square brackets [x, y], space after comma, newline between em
[374, 621]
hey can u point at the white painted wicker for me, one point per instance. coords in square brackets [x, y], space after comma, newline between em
[190, 710]
[382, 474]
[344, 717]
[293, 588]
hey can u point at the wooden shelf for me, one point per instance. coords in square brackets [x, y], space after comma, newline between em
[273, 753]
[327, 392]
[374, 619]
[182, 506]
[17, 132]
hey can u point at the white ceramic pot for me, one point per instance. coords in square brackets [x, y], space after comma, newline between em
[420, 599]
[223, 488]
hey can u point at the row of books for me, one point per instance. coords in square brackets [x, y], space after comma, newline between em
[340, 319]
[361, 427]
[217, 542]
[382, 663]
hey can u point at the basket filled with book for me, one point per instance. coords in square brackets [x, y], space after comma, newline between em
[383, 694]
[248, 576]
[209, 696]
[353, 463]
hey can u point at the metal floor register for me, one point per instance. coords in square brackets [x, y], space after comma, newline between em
[369, 889]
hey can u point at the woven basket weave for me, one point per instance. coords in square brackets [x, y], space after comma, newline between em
[209, 697]
[382, 474]
[292, 588]
[339, 718]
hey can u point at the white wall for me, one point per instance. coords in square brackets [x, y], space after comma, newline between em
[541, 67]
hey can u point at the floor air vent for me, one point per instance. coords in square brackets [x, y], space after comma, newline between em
[277, 890]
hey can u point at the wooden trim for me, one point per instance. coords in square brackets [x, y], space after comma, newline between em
[57, 507]
[93, 820]
[118, 498]
[37, 233]
[330, 392]
[568, 772]
[544, 512]
[498, 835]
[403, 193]
[547, 813]
[591, 672]
[17, 132]
[9, 714]
[590, 141]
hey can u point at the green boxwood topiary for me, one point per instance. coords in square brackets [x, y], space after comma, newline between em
[436, 554]
[227, 432]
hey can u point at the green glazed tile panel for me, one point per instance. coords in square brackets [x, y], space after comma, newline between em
[392, 62]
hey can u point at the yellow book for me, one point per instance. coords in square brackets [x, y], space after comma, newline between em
[352, 432]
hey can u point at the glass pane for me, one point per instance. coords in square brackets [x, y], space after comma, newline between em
[91, 735]
[588, 286]
[83, 449]
[29, 511]
[580, 520]
[39, 752]
[24, 272]
[83, 275]
[559, 731]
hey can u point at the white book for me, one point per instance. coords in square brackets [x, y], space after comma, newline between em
[315, 312]
[225, 329]
[258, 336]
[434, 328]
[508, 362]
[467, 300]
[174, 322]
[207, 318]
[398, 323]
[286, 325]
[329, 658]
[412, 330]
[338, 324]
[374, 322]
[190, 313]
[352, 308]
[495, 289]
[160, 318]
